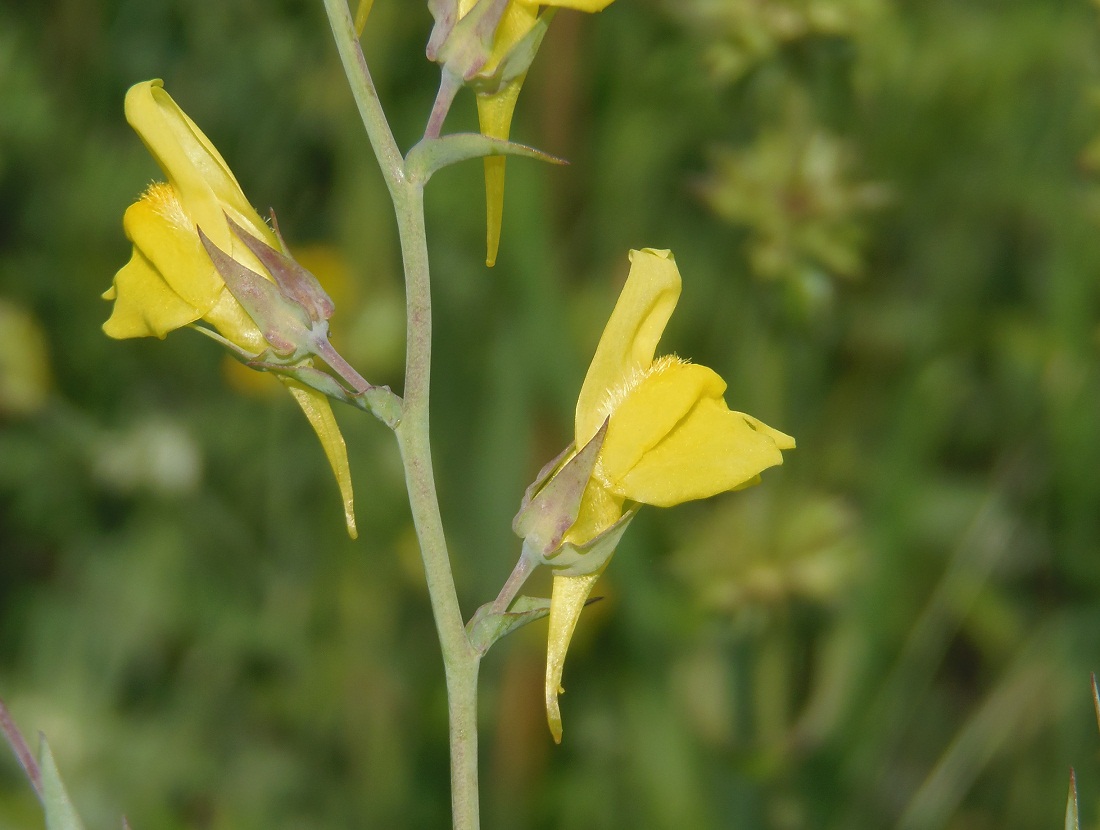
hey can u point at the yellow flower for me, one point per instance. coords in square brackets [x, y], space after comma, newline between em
[170, 280]
[670, 437]
[497, 101]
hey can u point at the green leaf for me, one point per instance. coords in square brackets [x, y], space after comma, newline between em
[488, 626]
[432, 154]
[1071, 803]
[60, 814]
[1096, 700]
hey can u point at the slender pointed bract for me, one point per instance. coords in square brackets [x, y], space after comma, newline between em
[171, 280]
[669, 438]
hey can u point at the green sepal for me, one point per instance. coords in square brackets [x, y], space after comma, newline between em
[433, 154]
[546, 515]
[591, 557]
[243, 355]
[519, 59]
[60, 813]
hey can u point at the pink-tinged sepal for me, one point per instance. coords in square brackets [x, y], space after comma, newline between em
[551, 508]
[282, 321]
[295, 281]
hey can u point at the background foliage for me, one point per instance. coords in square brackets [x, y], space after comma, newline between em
[886, 214]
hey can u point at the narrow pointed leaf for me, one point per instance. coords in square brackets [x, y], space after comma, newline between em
[488, 626]
[1096, 700]
[433, 154]
[60, 813]
[1072, 822]
[309, 376]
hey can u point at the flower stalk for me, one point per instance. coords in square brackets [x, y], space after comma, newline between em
[460, 659]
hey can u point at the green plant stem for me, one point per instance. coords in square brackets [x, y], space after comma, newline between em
[366, 96]
[459, 656]
[461, 661]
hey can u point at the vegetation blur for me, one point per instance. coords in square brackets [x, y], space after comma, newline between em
[887, 217]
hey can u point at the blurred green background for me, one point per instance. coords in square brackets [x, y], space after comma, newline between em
[887, 217]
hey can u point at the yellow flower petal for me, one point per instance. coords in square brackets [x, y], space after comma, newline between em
[712, 450]
[518, 19]
[567, 600]
[160, 228]
[599, 509]
[495, 116]
[233, 323]
[782, 440]
[648, 407]
[361, 15]
[171, 281]
[145, 305]
[317, 410]
[630, 338]
[204, 182]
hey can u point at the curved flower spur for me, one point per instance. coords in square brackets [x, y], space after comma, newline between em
[650, 431]
[489, 45]
[202, 253]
